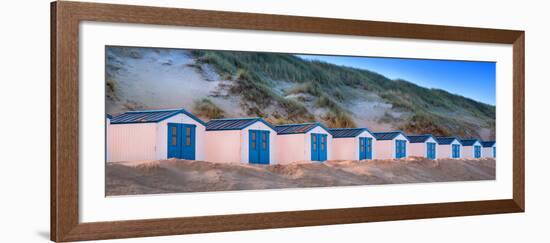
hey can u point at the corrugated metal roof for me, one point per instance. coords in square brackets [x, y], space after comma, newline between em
[445, 140]
[298, 128]
[150, 116]
[468, 142]
[487, 143]
[419, 138]
[233, 123]
[347, 132]
[388, 135]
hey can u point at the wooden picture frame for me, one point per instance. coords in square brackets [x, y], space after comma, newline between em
[65, 19]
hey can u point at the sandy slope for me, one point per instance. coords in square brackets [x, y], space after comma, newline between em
[165, 79]
[171, 176]
[172, 78]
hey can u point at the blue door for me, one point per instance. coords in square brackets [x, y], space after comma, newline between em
[258, 147]
[494, 152]
[430, 147]
[174, 141]
[314, 147]
[323, 147]
[318, 147]
[397, 149]
[188, 135]
[181, 141]
[365, 148]
[456, 151]
[264, 147]
[369, 148]
[400, 149]
[477, 152]
[362, 149]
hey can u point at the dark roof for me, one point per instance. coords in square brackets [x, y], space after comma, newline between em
[487, 143]
[347, 132]
[468, 142]
[298, 128]
[109, 116]
[150, 116]
[233, 123]
[388, 135]
[419, 138]
[445, 140]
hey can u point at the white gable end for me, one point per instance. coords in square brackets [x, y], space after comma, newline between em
[365, 134]
[400, 137]
[318, 129]
[430, 140]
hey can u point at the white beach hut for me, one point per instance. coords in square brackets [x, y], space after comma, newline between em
[303, 142]
[391, 145]
[108, 118]
[352, 144]
[489, 149]
[423, 146]
[240, 140]
[155, 135]
[448, 148]
[471, 148]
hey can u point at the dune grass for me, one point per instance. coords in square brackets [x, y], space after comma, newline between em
[433, 111]
[206, 108]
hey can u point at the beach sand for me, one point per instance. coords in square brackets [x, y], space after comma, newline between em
[175, 176]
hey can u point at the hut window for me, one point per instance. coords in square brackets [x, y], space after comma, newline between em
[314, 142]
[264, 140]
[188, 136]
[174, 138]
[362, 145]
[253, 140]
[323, 143]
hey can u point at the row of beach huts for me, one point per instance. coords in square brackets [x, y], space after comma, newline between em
[176, 133]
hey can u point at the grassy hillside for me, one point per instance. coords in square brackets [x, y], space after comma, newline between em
[310, 86]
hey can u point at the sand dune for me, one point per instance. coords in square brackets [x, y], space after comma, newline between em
[171, 176]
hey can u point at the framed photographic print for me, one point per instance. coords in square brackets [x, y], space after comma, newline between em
[176, 121]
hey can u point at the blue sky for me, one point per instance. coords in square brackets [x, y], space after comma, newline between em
[475, 80]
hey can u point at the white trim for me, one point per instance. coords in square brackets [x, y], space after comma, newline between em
[94, 206]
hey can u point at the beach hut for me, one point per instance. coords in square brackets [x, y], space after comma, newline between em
[391, 145]
[155, 135]
[108, 118]
[471, 148]
[423, 146]
[240, 140]
[448, 147]
[489, 149]
[352, 144]
[303, 142]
